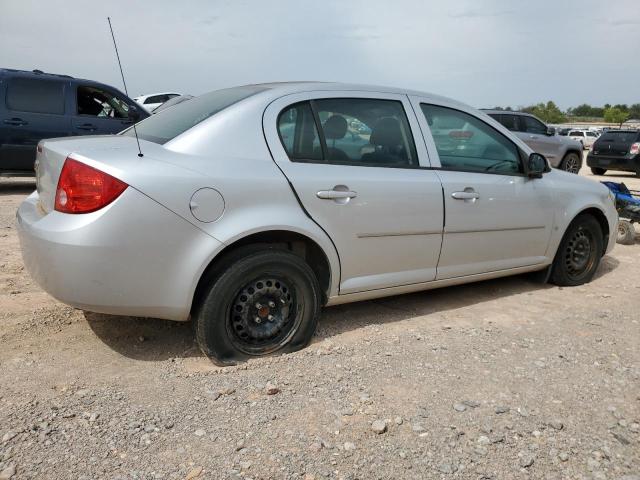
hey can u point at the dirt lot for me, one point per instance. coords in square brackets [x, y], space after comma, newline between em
[504, 379]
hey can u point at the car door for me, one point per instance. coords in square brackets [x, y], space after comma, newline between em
[496, 217]
[99, 111]
[34, 109]
[356, 163]
[535, 134]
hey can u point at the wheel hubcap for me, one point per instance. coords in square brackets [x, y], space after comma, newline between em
[262, 315]
[579, 253]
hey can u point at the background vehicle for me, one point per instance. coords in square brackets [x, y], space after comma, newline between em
[616, 150]
[628, 207]
[36, 105]
[171, 102]
[154, 100]
[252, 207]
[561, 152]
[585, 137]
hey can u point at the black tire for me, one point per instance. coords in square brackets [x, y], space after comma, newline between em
[598, 170]
[258, 303]
[626, 233]
[579, 253]
[572, 162]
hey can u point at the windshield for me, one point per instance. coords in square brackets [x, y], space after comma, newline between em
[168, 124]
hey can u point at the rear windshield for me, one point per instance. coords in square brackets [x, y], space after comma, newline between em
[619, 137]
[168, 124]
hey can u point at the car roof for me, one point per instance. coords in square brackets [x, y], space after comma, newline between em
[280, 89]
[489, 111]
[40, 74]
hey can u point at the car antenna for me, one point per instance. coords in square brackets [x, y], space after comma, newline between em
[124, 83]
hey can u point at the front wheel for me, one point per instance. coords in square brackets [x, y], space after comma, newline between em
[579, 253]
[598, 171]
[571, 163]
[265, 302]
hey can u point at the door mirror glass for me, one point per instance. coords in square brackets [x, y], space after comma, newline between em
[133, 114]
[551, 131]
[536, 165]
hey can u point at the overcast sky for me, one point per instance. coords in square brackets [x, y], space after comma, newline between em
[483, 52]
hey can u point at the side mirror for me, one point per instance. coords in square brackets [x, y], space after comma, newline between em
[551, 131]
[536, 165]
[134, 114]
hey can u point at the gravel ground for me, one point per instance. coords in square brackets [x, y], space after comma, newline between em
[504, 379]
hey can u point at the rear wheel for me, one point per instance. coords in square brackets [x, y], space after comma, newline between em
[571, 163]
[579, 253]
[626, 233]
[265, 302]
[598, 171]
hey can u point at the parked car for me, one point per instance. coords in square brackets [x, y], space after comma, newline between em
[616, 150]
[171, 102]
[585, 137]
[562, 153]
[154, 100]
[37, 105]
[253, 206]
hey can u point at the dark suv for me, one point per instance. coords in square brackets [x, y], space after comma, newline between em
[36, 105]
[616, 150]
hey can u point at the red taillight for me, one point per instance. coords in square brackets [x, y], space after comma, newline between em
[635, 148]
[83, 189]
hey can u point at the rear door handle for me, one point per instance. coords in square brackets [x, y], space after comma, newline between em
[465, 195]
[335, 194]
[87, 126]
[17, 122]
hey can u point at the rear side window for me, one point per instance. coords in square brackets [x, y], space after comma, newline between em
[508, 121]
[591, 134]
[576, 134]
[298, 132]
[466, 143]
[170, 123]
[352, 131]
[35, 95]
[156, 99]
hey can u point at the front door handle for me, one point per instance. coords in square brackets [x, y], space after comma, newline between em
[90, 127]
[16, 122]
[466, 195]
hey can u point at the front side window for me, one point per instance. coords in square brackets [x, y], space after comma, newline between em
[576, 134]
[35, 95]
[466, 143]
[348, 131]
[97, 102]
[156, 99]
[532, 125]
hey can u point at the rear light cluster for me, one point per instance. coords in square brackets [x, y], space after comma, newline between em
[635, 148]
[84, 189]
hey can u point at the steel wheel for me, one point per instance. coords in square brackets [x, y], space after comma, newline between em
[263, 315]
[579, 254]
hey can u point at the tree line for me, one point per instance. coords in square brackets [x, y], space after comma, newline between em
[550, 113]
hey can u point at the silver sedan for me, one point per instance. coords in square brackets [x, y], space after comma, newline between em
[247, 209]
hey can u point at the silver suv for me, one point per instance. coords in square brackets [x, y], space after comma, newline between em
[562, 152]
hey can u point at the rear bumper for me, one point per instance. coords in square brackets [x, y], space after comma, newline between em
[626, 163]
[133, 257]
